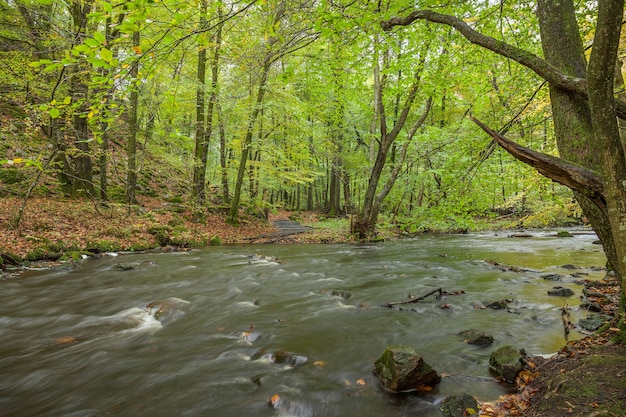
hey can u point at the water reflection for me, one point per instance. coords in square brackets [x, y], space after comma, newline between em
[96, 340]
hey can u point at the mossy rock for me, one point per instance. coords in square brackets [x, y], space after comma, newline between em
[75, 255]
[564, 233]
[103, 246]
[506, 362]
[401, 369]
[463, 405]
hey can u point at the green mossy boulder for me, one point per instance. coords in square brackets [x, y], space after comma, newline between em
[506, 362]
[401, 369]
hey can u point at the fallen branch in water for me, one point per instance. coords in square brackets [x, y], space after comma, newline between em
[503, 267]
[417, 299]
[567, 323]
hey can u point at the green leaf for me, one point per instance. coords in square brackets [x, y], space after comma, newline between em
[54, 113]
[92, 43]
[106, 54]
[99, 37]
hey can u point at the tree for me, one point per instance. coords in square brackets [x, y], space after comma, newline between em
[365, 224]
[204, 117]
[286, 32]
[591, 98]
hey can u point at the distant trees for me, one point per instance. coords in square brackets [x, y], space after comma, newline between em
[233, 106]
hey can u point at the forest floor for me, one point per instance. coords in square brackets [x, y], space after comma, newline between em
[586, 378]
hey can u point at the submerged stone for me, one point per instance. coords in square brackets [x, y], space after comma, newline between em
[401, 369]
[553, 277]
[499, 305]
[476, 337]
[281, 357]
[343, 294]
[506, 362]
[459, 406]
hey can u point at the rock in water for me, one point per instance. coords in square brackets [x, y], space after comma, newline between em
[459, 406]
[475, 337]
[401, 369]
[560, 292]
[506, 362]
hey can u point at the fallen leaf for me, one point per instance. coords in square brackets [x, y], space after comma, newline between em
[274, 401]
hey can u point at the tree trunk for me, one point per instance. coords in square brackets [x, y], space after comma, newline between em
[223, 159]
[199, 169]
[365, 224]
[563, 48]
[204, 121]
[233, 214]
[133, 122]
[608, 144]
[80, 94]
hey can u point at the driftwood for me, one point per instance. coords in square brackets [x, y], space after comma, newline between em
[416, 299]
[567, 323]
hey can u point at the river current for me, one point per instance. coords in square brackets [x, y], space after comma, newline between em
[194, 333]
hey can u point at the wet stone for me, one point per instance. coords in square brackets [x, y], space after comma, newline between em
[459, 406]
[343, 294]
[561, 292]
[553, 277]
[499, 305]
[476, 337]
[593, 322]
[401, 369]
[506, 362]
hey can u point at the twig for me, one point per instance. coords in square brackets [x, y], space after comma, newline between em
[415, 300]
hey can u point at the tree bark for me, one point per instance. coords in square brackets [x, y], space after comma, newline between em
[131, 150]
[199, 169]
[233, 213]
[608, 144]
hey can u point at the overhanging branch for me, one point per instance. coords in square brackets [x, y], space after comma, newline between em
[575, 177]
[540, 66]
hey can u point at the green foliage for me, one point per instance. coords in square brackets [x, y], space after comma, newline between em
[215, 241]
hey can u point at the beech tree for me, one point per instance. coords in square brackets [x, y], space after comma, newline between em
[584, 107]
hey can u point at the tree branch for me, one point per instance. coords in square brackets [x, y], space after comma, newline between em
[540, 66]
[575, 177]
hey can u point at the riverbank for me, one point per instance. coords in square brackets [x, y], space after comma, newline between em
[585, 378]
[53, 230]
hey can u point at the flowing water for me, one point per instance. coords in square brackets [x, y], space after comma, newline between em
[192, 334]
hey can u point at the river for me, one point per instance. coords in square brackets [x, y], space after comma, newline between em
[94, 339]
